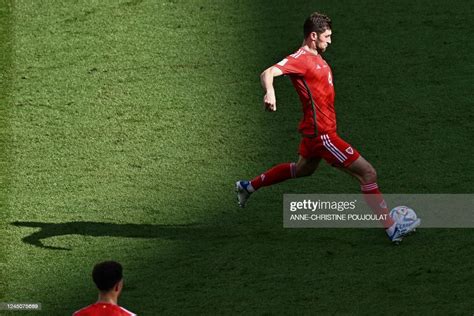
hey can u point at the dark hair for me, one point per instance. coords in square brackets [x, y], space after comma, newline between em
[316, 22]
[106, 274]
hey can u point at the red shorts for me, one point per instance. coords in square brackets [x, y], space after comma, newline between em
[330, 147]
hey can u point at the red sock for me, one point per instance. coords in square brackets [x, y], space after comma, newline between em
[375, 200]
[276, 174]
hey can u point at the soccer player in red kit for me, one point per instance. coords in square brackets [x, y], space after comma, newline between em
[313, 81]
[109, 280]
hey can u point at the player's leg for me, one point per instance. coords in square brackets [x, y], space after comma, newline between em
[367, 176]
[304, 167]
[284, 171]
[363, 170]
[340, 154]
[276, 174]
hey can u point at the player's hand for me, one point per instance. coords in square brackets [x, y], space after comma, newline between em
[269, 101]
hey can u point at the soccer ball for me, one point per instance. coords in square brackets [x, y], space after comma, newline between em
[403, 215]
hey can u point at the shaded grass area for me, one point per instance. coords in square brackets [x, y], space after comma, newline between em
[276, 270]
[131, 120]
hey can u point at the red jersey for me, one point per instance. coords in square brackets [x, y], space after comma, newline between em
[312, 78]
[103, 309]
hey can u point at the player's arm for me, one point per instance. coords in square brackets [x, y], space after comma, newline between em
[266, 78]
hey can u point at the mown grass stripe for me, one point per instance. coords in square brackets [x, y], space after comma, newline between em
[6, 72]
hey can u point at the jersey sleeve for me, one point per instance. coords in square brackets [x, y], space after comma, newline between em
[292, 65]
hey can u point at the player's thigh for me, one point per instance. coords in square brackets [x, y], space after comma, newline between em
[336, 151]
[306, 166]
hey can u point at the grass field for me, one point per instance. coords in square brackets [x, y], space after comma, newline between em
[124, 125]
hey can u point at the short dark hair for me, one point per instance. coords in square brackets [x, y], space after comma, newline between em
[316, 22]
[106, 274]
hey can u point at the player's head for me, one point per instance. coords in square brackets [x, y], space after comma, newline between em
[108, 276]
[317, 29]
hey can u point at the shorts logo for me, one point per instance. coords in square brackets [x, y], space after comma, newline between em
[349, 150]
[318, 67]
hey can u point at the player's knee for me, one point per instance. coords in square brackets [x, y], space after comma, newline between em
[370, 175]
[304, 171]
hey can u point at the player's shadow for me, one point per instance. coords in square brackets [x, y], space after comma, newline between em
[181, 232]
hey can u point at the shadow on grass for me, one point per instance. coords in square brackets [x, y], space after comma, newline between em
[95, 229]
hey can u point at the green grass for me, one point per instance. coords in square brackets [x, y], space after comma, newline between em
[124, 125]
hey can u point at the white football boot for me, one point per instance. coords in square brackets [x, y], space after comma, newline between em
[403, 229]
